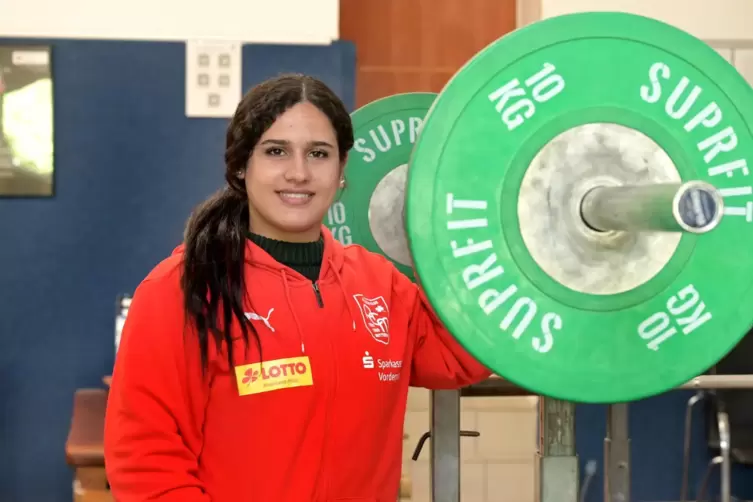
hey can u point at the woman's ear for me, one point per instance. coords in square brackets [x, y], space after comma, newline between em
[241, 174]
[343, 163]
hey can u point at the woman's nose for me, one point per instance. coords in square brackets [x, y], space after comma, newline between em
[298, 169]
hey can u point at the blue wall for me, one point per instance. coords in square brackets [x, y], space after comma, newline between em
[129, 168]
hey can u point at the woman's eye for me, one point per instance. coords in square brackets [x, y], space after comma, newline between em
[274, 151]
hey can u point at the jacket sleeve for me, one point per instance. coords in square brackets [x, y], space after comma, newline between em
[156, 402]
[439, 362]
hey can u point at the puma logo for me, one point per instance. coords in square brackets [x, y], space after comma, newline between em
[253, 316]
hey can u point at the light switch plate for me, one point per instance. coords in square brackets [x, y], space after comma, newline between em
[213, 78]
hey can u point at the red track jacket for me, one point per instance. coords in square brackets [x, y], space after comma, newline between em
[320, 420]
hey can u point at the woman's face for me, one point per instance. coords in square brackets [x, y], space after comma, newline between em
[293, 175]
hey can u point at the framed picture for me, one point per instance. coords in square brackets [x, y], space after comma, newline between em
[26, 121]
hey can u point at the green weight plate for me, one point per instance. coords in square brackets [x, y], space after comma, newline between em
[369, 211]
[543, 95]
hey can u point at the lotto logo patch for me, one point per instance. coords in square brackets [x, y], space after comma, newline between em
[268, 376]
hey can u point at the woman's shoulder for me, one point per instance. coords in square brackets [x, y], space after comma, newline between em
[164, 278]
[359, 255]
[366, 262]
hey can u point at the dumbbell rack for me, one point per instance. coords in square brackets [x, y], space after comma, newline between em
[559, 479]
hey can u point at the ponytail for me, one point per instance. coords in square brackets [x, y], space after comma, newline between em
[213, 270]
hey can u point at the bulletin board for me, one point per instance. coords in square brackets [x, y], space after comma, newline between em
[26, 121]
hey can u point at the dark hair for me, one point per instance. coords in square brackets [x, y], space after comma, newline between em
[215, 235]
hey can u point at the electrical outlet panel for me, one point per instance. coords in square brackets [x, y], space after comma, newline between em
[213, 78]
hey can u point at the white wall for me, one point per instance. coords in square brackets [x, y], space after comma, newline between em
[707, 19]
[256, 21]
[726, 25]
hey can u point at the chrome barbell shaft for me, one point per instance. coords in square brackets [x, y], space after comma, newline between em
[694, 207]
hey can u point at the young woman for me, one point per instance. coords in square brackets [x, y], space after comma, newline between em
[193, 416]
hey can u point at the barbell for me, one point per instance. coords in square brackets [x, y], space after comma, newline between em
[575, 203]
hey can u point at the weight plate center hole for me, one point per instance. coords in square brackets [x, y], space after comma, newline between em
[550, 217]
[386, 215]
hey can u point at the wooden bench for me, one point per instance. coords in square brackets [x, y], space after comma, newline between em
[84, 449]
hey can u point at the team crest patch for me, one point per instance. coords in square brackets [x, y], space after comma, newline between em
[376, 317]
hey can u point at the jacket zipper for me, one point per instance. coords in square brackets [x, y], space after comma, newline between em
[330, 423]
[331, 400]
[319, 300]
